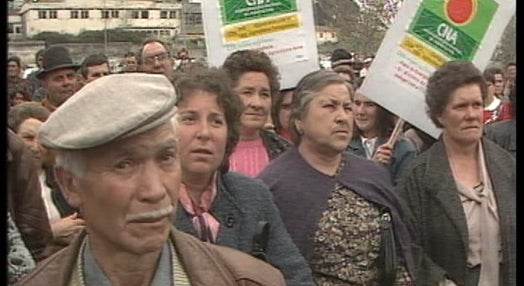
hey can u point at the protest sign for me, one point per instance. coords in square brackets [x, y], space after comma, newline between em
[283, 29]
[425, 35]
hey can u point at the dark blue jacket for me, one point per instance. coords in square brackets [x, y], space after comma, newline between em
[403, 153]
[242, 202]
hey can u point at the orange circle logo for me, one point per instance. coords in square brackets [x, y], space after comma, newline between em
[460, 12]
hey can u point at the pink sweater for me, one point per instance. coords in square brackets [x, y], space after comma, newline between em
[249, 158]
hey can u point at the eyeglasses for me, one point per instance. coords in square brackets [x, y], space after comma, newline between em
[160, 57]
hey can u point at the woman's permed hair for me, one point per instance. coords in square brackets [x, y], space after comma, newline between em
[240, 62]
[443, 83]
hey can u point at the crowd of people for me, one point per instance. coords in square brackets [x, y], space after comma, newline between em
[218, 176]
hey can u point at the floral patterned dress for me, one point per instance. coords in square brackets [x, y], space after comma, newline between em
[347, 243]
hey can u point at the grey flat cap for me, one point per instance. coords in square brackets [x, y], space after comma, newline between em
[109, 108]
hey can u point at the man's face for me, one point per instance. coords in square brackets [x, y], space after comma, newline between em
[96, 71]
[499, 83]
[40, 61]
[131, 65]
[60, 85]
[511, 72]
[13, 69]
[129, 191]
[155, 59]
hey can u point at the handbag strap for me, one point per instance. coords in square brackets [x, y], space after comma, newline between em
[388, 256]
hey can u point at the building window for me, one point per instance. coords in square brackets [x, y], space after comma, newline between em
[172, 14]
[193, 19]
[134, 14]
[53, 15]
[163, 14]
[42, 14]
[144, 14]
[114, 14]
[10, 29]
[18, 30]
[105, 14]
[74, 14]
[84, 14]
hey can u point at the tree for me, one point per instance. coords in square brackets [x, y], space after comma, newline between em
[506, 50]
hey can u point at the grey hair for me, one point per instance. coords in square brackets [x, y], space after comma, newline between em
[307, 88]
[73, 161]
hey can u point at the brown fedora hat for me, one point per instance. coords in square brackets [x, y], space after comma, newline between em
[56, 58]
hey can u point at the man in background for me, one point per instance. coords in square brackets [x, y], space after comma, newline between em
[93, 67]
[58, 76]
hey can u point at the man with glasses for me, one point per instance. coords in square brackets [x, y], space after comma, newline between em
[154, 57]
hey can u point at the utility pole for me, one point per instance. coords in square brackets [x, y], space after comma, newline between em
[105, 26]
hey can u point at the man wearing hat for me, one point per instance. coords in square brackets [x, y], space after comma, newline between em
[58, 76]
[118, 163]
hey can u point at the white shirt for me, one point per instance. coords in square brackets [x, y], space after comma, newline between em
[369, 146]
[52, 212]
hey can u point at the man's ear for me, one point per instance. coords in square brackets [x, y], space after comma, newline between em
[68, 185]
[299, 126]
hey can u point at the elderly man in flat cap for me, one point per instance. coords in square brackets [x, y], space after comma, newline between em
[118, 163]
[58, 77]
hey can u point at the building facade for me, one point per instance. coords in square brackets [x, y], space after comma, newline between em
[159, 18]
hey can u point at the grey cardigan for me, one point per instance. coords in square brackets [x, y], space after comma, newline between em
[504, 133]
[431, 192]
[242, 202]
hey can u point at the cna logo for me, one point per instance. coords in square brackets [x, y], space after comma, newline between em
[460, 12]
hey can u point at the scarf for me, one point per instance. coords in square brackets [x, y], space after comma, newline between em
[483, 226]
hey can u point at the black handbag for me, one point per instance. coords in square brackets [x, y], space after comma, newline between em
[260, 240]
[387, 260]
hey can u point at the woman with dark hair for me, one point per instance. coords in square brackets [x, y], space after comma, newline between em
[280, 112]
[216, 204]
[462, 190]
[373, 127]
[25, 120]
[254, 79]
[339, 208]
[18, 95]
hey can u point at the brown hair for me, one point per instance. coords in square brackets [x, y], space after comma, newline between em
[445, 80]
[215, 81]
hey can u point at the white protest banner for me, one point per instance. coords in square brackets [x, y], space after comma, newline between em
[425, 35]
[283, 29]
